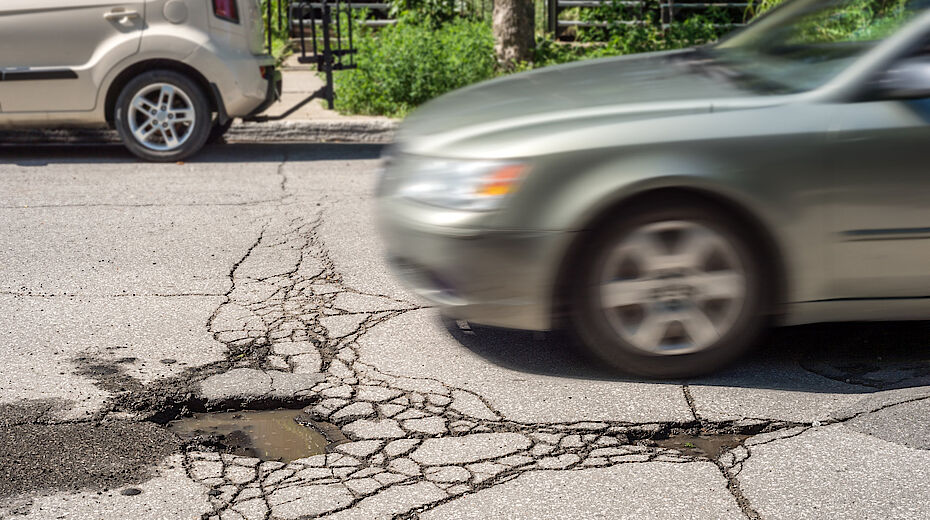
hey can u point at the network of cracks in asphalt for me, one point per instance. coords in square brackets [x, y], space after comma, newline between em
[410, 444]
[398, 445]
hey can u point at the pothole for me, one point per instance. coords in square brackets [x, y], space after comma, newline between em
[707, 446]
[278, 435]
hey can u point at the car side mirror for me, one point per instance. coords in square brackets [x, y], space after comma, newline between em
[907, 79]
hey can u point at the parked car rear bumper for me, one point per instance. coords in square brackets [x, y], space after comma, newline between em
[273, 92]
[238, 78]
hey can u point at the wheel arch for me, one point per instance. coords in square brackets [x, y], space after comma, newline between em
[133, 70]
[767, 242]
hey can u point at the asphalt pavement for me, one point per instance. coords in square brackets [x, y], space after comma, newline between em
[252, 277]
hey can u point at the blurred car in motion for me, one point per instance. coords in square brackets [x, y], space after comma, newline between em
[168, 75]
[668, 205]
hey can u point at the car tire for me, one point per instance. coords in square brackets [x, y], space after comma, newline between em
[218, 131]
[163, 116]
[685, 273]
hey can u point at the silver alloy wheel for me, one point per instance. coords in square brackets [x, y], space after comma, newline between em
[161, 117]
[673, 287]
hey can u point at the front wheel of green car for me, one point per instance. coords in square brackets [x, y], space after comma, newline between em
[163, 116]
[669, 292]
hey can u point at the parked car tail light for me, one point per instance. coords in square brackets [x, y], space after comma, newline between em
[226, 10]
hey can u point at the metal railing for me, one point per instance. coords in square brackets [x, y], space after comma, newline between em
[328, 26]
[666, 12]
[303, 12]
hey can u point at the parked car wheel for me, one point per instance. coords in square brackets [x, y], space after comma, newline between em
[670, 292]
[218, 131]
[163, 116]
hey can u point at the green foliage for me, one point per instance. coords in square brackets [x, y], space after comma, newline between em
[632, 29]
[622, 38]
[550, 52]
[859, 20]
[435, 13]
[758, 7]
[403, 66]
[698, 30]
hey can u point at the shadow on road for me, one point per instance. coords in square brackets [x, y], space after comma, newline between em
[830, 357]
[220, 153]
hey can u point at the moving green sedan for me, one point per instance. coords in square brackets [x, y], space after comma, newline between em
[669, 206]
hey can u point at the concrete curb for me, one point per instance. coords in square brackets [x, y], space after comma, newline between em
[375, 131]
[346, 131]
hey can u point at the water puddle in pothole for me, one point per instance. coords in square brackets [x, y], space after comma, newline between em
[709, 446]
[283, 435]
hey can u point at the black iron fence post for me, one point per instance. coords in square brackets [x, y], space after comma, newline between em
[351, 21]
[270, 48]
[553, 16]
[328, 57]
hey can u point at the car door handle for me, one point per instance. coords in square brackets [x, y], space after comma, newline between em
[122, 15]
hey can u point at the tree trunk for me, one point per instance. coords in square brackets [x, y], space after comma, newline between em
[514, 31]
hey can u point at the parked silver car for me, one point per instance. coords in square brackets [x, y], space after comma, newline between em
[168, 74]
[668, 205]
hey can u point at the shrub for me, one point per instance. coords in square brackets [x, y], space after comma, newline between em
[648, 34]
[630, 39]
[430, 12]
[405, 65]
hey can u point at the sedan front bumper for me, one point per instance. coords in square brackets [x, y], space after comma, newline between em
[497, 278]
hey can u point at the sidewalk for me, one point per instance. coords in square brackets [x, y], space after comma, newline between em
[311, 123]
[301, 80]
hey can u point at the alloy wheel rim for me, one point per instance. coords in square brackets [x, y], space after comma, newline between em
[161, 117]
[673, 287]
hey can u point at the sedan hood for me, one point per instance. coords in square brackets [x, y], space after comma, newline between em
[609, 90]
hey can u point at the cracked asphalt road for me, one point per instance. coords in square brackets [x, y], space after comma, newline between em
[252, 278]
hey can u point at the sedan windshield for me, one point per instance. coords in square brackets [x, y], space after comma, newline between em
[803, 44]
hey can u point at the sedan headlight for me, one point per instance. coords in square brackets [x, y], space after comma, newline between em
[465, 185]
